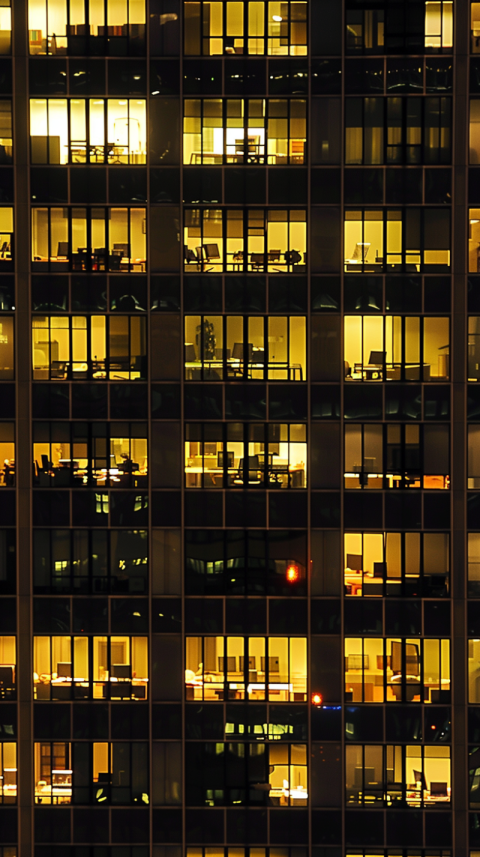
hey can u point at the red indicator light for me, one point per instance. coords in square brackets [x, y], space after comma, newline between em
[317, 698]
[292, 573]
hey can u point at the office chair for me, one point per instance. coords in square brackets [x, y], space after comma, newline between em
[189, 255]
[210, 253]
[254, 468]
[293, 257]
[237, 353]
[257, 261]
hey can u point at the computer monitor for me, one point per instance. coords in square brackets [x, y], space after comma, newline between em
[251, 663]
[412, 659]
[211, 251]
[377, 358]
[121, 671]
[360, 251]
[355, 561]
[64, 670]
[104, 777]
[231, 664]
[62, 249]
[6, 676]
[124, 248]
[221, 458]
[419, 778]
[438, 789]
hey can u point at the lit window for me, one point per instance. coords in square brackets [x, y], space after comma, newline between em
[8, 772]
[117, 772]
[6, 239]
[250, 240]
[240, 131]
[90, 668]
[391, 240]
[80, 131]
[251, 668]
[439, 24]
[237, 455]
[89, 239]
[53, 772]
[97, 347]
[79, 455]
[8, 668]
[393, 775]
[5, 28]
[396, 348]
[386, 670]
[245, 348]
[60, 26]
[400, 564]
[234, 28]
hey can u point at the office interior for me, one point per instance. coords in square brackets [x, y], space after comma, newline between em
[220, 347]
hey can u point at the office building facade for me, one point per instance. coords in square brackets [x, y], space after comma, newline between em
[239, 428]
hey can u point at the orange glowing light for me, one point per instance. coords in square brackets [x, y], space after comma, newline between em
[292, 573]
[317, 698]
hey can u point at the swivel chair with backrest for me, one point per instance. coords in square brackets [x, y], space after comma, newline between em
[254, 471]
[293, 257]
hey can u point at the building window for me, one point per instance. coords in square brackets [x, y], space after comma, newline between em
[90, 454]
[244, 348]
[6, 142]
[473, 456]
[410, 240]
[8, 663]
[242, 455]
[88, 239]
[254, 562]
[386, 670]
[474, 240]
[97, 773]
[397, 564]
[90, 668]
[5, 48]
[397, 456]
[396, 29]
[53, 772]
[398, 130]
[249, 240]
[96, 347]
[439, 24]
[8, 773]
[97, 27]
[474, 565]
[396, 348]
[252, 668]
[244, 131]
[6, 239]
[415, 776]
[257, 774]
[82, 131]
[7, 455]
[7, 352]
[261, 28]
[90, 561]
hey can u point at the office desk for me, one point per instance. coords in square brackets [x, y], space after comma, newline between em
[293, 371]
